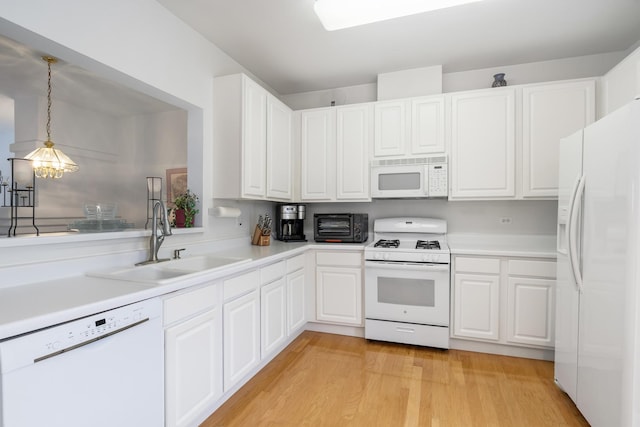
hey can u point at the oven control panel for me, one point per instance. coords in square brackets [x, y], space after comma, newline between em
[413, 256]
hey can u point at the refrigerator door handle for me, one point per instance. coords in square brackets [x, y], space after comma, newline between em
[572, 232]
[567, 228]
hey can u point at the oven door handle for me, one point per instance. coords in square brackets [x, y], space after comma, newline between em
[395, 265]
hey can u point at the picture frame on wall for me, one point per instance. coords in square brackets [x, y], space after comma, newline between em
[176, 184]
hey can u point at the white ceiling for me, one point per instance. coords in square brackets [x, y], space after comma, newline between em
[283, 43]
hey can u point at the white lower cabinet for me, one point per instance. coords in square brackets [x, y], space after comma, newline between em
[193, 354]
[241, 319]
[296, 300]
[339, 287]
[531, 303]
[273, 304]
[477, 306]
[504, 300]
[262, 309]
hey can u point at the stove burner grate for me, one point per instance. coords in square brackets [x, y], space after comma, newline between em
[387, 243]
[428, 244]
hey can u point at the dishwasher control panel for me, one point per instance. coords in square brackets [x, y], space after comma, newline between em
[52, 341]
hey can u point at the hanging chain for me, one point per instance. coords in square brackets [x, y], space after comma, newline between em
[49, 102]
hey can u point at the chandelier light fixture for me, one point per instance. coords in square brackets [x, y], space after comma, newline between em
[49, 162]
[339, 14]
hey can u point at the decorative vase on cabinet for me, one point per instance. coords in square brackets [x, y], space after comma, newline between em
[498, 80]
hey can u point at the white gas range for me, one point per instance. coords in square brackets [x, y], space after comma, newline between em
[407, 282]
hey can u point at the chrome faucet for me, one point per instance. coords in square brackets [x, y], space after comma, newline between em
[156, 240]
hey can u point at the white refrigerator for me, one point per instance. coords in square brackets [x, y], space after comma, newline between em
[597, 358]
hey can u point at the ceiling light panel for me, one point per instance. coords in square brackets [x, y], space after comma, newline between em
[339, 14]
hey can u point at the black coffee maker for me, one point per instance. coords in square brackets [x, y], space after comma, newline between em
[290, 223]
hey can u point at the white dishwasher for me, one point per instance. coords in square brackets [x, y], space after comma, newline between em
[106, 369]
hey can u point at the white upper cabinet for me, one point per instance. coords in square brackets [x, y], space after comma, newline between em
[353, 141]
[488, 128]
[483, 144]
[335, 153]
[318, 147]
[551, 112]
[427, 125]
[279, 149]
[410, 127]
[390, 128]
[252, 140]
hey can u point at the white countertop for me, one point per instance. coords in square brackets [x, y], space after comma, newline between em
[29, 307]
[536, 246]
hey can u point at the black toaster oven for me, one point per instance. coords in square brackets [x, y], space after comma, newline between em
[341, 228]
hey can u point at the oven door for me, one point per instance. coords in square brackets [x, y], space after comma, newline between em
[407, 292]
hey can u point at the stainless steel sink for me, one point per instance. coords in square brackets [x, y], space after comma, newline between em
[163, 273]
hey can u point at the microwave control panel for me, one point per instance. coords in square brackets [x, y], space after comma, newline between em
[437, 180]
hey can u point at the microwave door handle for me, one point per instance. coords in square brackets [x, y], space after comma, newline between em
[426, 180]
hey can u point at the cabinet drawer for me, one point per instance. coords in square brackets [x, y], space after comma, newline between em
[295, 263]
[532, 268]
[272, 272]
[477, 265]
[351, 259]
[187, 304]
[406, 333]
[241, 284]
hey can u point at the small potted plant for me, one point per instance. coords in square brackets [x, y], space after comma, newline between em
[186, 209]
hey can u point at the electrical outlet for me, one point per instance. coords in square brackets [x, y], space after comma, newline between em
[505, 220]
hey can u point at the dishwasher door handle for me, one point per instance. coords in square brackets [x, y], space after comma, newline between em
[91, 341]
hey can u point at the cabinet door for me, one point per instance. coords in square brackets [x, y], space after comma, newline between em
[483, 144]
[339, 295]
[391, 132]
[279, 150]
[241, 337]
[530, 311]
[193, 367]
[254, 140]
[296, 301]
[353, 140]
[427, 125]
[476, 306]
[318, 146]
[273, 313]
[551, 112]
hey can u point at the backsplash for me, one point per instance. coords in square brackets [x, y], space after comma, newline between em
[496, 217]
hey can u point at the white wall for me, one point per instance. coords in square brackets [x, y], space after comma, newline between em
[6, 133]
[561, 69]
[621, 84]
[527, 217]
[142, 46]
[138, 44]
[115, 155]
[151, 144]
[322, 98]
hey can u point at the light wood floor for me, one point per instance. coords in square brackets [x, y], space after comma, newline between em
[332, 380]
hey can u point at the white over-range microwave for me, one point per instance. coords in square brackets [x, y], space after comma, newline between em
[408, 178]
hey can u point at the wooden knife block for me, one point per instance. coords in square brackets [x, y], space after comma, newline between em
[259, 239]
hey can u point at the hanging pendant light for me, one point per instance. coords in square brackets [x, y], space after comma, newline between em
[49, 162]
